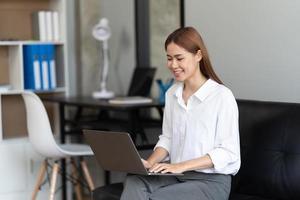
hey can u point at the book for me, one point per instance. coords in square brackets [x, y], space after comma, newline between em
[49, 26]
[55, 21]
[130, 100]
[39, 25]
[45, 25]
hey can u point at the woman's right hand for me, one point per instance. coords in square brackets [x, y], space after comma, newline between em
[146, 164]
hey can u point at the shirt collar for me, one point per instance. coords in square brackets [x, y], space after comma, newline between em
[179, 90]
[202, 92]
[206, 89]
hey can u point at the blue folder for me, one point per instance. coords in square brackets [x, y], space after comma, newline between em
[50, 49]
[44, 67]
[32, 68]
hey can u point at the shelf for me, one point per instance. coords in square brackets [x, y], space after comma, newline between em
[56, 90]
[26, 42]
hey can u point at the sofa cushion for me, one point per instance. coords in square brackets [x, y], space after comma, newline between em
[270, 150]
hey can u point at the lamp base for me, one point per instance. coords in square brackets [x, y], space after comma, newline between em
[103, 94]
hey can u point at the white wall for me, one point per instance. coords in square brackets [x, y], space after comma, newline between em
[254, 45]
[122, 43]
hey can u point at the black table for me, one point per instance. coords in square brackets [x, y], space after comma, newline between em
[80, 102]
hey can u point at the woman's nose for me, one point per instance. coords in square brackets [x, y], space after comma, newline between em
[173, 64]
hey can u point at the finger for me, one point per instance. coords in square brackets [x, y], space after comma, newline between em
[146, 163]
[160, 168]
[165, 171]
[168, 168]
[156, 167]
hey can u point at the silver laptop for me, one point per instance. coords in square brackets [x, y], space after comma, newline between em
[115, 151]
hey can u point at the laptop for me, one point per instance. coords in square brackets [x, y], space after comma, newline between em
[115, 151]
[141, 81]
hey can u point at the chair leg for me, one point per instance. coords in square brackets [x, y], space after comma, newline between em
[53, 180]
[76, 184]
[40, 178]
[87, 175]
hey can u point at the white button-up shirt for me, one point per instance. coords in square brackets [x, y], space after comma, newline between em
[207, 124]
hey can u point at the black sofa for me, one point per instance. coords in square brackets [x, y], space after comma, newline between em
[270, 153]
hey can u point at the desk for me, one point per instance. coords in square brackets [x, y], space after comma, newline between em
[82, 101]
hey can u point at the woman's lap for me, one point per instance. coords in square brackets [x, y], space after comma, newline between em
[193, 186]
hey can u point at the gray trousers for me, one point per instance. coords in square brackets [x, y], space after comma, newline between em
[191, 186]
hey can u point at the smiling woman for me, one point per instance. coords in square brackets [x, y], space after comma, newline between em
[200, 131]
[188, 42]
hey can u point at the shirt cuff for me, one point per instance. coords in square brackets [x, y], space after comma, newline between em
[164, 143]
[219, 159]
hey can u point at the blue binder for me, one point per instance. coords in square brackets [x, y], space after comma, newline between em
[44, 67]
[32, 68]
[50, 49]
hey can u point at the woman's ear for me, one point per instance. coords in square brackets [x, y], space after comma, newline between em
[199, 55]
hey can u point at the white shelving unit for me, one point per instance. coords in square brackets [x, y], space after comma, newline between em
[18, 160]
[16, 30]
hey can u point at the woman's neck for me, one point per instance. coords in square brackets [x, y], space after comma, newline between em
[192, 85]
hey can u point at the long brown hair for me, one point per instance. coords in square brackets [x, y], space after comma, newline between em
[189, 39]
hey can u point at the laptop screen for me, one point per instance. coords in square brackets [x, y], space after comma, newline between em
[141, 81]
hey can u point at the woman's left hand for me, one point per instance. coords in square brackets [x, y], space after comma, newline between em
[167, 168]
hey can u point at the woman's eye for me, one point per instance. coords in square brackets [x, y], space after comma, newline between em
[179, 59]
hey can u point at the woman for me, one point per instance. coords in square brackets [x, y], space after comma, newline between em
[200, 130]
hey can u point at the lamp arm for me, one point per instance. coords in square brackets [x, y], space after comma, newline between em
[105, 65]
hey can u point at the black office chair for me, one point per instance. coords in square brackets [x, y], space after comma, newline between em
[141, 81]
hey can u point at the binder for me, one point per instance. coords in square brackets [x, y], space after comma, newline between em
[49, 26]
[39, 25]
[55, 21]
[50, 49]
[46, 26]
[44, 67]
[32, 68]
[39, 67]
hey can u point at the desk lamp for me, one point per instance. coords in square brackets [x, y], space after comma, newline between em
[101, 32]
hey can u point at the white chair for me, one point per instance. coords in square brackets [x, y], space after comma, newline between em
[41, 137]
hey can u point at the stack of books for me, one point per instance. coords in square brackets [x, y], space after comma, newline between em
[130, 100]
[39, 67]
[46, 26]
